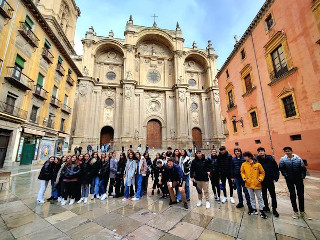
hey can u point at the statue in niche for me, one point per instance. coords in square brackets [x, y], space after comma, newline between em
[129, 75]
[172, 133]
[154, 106]
[136, 134]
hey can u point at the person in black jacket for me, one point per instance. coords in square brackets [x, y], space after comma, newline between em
[200, 172]
[162, 174]
[119, 175]
[175, 180]
[85, 178]
[54, 185]
[225, 169]
[103, 175]
[95, 166]
[214, 174]
[271, 169]
[45, 176]
[155, 174]
[294, 171]
[237, 179]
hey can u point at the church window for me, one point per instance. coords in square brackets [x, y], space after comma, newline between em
[289, 106]
[109, 102]
[111, 76]
[153, 76]
[279, 61]
[194, 106]
[192, 82]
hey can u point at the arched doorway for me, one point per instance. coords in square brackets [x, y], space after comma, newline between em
[154, 135]
[106, 135]
[197, 137]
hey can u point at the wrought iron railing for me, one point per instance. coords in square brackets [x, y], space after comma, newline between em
[12, 110]
[5, 9]
[55, 101]
[47, 55]
[15, 74]
[40, 92]
[27, 33]
[66, 108]
[70, 80]
[60, 69]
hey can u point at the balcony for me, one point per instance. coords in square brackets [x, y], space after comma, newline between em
[60, 69]
[40, 92]
[12, 110]
[70, 80]
[5, 9]
[65, 108]
[47, 55]
[18, 79]
[26, 32]
[276, 76]
[55, 102]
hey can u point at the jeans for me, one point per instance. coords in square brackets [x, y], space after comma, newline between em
[102, 186]
[241, 187]
[223, 181]
[94, 187]
[139, 192]
[54, 189]
[258, 194]
[186, 179]
[84, 190]
[269, 186]
[43, 187]
[127, 191]
[293, 185]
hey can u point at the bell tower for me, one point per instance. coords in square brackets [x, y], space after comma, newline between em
[62, 17]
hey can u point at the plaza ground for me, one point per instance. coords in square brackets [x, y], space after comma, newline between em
[150, 218]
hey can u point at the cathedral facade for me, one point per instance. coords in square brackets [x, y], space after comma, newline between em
[146, 89]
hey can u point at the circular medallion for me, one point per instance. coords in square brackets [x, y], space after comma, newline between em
[109, 102]
[194, 106]
[192, 82]
[111, 76]
[153, 76]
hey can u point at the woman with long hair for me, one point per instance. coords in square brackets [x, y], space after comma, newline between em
[176, 156]
[155, 174]
[103, 175]
[119, 175]
[146, 178]
[45, 176]
[95, 166]
[58, 182]
[185, 164]
[54, 189]
[164, 157]
[85, 178]
[129, 175]
[141, 172]
[70, 175]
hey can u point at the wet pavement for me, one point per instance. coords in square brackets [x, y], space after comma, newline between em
[149, 218]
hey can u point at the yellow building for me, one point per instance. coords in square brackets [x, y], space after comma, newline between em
[38, 79]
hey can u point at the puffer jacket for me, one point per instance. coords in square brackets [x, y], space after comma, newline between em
[214, 167]
[70, 172]
[236, 166]
[199, 169]
[95, 166]
[121, 167]
[292, 168]
[46, 172]
[185, 164]
[86, 175]
[104, 171]
[253, 174]
[225, 164]
[270, 167]
[174, 174]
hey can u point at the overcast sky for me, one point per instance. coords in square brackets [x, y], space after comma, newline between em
[200, 20]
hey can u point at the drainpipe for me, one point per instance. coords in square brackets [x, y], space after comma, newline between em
[10, 32]
[262, 96]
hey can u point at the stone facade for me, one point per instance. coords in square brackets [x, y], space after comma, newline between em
[146, 89]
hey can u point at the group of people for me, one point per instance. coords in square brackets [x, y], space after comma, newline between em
[72, 177]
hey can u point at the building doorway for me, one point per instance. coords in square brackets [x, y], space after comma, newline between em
[154, 134]
[197, 137]
[106, 135]
[4, 140]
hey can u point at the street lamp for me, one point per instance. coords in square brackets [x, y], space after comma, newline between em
[234, 119]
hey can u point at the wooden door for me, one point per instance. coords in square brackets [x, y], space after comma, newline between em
[27, 153]
[106, 135]
[197, 137]
[154, 135]
[4, 140]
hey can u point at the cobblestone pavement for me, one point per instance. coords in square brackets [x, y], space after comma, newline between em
[148, 218]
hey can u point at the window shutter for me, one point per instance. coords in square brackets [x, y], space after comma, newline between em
[20, 61]
[60, 60]
[40, 80]
[54, 91]
[28, 21]
[47, 44]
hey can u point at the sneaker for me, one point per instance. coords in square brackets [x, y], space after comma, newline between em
[59, 199]
[152, 192]
[295, 215]
[266, 209]
[124, 199]
[63, 202]
[85, 200]
[185, 205]
[135, 199]
[98, 196]
[71, 201]
[207, 204]
[41, 201]
[104, 196]
[172, 202]
[178, 200]
[263, 215]
[255, 212]
[250, 212]
[80, 201]
[275, 213]
[218, 199]
[92, 196]
[224, 199]
[215, 198]
[305, 216]
[239, 205]
[199, 203]
[232, 200]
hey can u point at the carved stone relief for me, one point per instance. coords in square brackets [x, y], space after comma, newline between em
[154, 106]
[108, 116]
[153, 49]
[182, 95]
[127, 92]
[216, 97]
[83, 88]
